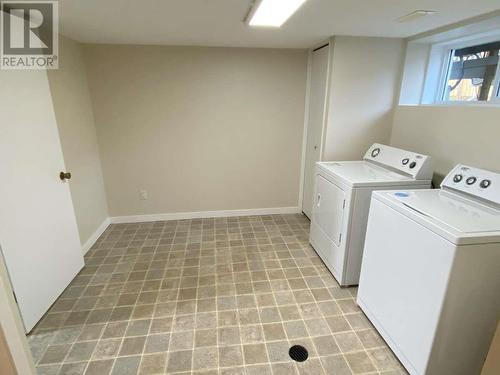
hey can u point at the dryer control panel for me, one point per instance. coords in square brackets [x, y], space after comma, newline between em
[415, 165]
[474, 181]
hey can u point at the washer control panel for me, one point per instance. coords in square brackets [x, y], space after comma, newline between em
[474, 181]
[415, 165]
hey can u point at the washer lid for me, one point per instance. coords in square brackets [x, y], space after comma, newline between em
[363, 173]
[459, 217]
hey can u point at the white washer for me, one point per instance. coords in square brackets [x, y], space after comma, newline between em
[430, 279]
[342, 200]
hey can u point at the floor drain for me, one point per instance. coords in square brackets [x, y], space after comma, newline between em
[298, 353]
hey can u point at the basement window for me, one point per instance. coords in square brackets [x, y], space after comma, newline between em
[472, 74]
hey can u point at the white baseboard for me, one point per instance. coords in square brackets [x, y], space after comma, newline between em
[95, 236]
[203, 214]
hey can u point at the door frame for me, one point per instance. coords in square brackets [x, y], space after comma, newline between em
[12, 325]
[331, 44]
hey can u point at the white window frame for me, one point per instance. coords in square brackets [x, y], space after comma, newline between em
[444, 51]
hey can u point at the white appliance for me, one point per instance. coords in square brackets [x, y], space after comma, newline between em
[430, 280]
[342, 199]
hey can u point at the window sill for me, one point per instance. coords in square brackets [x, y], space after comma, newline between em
[454, 104]
[465, 104]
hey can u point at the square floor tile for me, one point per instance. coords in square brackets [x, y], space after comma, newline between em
[99, 367]
[157, 343]
[229, 336]
[107, 349]
[126, 366]
[284, 369]
[326, 345]
[370, 339]
[338, 324]
[55, 353]
[153, 364]
[181, 340]
[295, 329]
[179, 361]
[359, 362]
[73, 368]
[138, 327]
[251, 334]
[132, 345]
[255, 353]
[48, 369]
[248, 316]
[230, 356]
[205, 358]
[278, 351]
[348, 342]
[274, 331]
[259, 370]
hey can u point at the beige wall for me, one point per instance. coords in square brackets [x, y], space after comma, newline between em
[199, 128]
[364, 83]
[75, 121]
[450, 134]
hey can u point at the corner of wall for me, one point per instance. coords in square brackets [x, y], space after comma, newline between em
[12, 326]
[397, 96]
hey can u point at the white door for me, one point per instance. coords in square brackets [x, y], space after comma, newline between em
[38, 232]
[317, 98]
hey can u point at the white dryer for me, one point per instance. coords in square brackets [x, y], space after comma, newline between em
[342, 200]
[430, 279]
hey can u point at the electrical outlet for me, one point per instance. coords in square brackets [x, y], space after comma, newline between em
[143, 194]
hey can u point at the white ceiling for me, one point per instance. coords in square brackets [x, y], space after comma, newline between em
[219, 22]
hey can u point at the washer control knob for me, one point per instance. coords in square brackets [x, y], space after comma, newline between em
[375, 152]
[457, 178]
[471, 180]
[413, 164]
[485, 183]
[405, 161]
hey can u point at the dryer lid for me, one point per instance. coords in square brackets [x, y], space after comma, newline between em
[363, 172]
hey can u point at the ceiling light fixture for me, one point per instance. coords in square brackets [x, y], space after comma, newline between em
[272, 13]
[414, 15]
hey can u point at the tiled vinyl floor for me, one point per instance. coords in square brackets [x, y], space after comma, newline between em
[207, 296]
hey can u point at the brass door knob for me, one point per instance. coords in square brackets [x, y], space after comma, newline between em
[65, 176]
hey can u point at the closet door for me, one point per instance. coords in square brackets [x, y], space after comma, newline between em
[38, 232]
[317, 99]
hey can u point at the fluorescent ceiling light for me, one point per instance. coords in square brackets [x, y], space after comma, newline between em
[273, 13]
[414, 15]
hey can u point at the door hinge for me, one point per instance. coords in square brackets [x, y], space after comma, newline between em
[15, 297]
[340, 238]
[343, 204]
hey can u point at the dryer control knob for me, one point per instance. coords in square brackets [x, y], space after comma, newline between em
[413, 165]
[375, 152]
[457, 178]
[405, 161]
